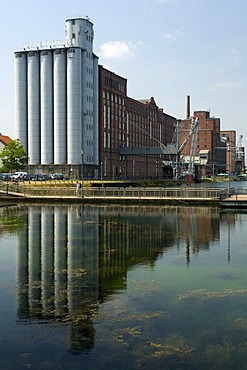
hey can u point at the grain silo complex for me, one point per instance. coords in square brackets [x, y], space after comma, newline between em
[56, 102]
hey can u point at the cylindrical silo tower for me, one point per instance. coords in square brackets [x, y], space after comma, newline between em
[46, 106]
[21, 98]
[74, 114]
[33, 102]
[86, 77]
[79, 33]
[96, 110]
[60, 102]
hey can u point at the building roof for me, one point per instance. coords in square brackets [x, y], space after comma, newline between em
[147, 101]
[5, 139]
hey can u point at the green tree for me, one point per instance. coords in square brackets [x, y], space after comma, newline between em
[13, 156]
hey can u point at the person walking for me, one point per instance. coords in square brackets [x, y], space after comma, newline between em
[78, 187]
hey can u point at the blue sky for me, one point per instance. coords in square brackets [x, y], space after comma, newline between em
[167, 49]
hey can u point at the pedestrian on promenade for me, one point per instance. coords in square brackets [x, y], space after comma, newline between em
[78, 187]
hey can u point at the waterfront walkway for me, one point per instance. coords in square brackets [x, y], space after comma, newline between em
[183, 195]
[157, 195]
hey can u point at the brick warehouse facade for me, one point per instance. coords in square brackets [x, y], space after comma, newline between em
[125, 122]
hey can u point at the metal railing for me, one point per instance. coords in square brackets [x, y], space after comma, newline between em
[112, 192]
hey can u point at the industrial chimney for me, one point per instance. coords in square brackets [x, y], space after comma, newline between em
[188, 107]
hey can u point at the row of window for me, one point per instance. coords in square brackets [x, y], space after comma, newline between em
[112, 98]
[89, 55]
[89, 85]
[89, 70]
[89, 143]
[114, 84]
[89, 127]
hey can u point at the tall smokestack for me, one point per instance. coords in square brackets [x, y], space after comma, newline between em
[188, 107]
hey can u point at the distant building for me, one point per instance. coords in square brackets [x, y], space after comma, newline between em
[235, 153]
[210, 148]
[56, 101]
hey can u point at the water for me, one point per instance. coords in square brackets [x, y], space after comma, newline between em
[123, 287]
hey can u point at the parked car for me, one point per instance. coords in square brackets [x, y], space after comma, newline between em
[18, 176]
[56, 176]
[5, 176]
[38, 177]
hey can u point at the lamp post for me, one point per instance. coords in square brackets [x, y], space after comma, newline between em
[28, 169]
[229, 166]
[71, 170]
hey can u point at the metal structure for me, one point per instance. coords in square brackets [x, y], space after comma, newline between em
[239, 149]
[194, 133]
[191, 167]
[173, 150]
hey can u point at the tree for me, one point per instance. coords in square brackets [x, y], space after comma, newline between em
[13, 156]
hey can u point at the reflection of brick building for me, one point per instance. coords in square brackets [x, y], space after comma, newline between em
[208, 154]
[125, 122]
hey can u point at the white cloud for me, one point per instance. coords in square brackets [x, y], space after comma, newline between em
[169, 37]
[117, 50]
[227, 85]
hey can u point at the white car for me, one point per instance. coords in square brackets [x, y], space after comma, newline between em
[18, 175]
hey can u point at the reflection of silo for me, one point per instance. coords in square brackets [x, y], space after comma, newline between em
[22, 301]
[21, 97]
[47, 259]
[60, 129]
[33, 89]
[75, 271]
[60, 263]
[74, 120]
[34, 259]
[46, 106]
[90, 252]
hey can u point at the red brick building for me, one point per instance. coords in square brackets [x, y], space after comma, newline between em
[125, 122]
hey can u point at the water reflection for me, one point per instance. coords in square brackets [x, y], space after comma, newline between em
[70, 259]
[150, 286]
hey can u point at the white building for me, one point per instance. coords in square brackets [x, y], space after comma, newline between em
[56, 100]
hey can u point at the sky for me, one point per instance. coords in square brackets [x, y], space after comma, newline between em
[167, 49]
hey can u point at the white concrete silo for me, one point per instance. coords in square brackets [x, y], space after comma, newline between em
[79, 34]
[95, 110]
[60, 111]
[33, 102]
[74, 114]
[21, 97]
[46, 106]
